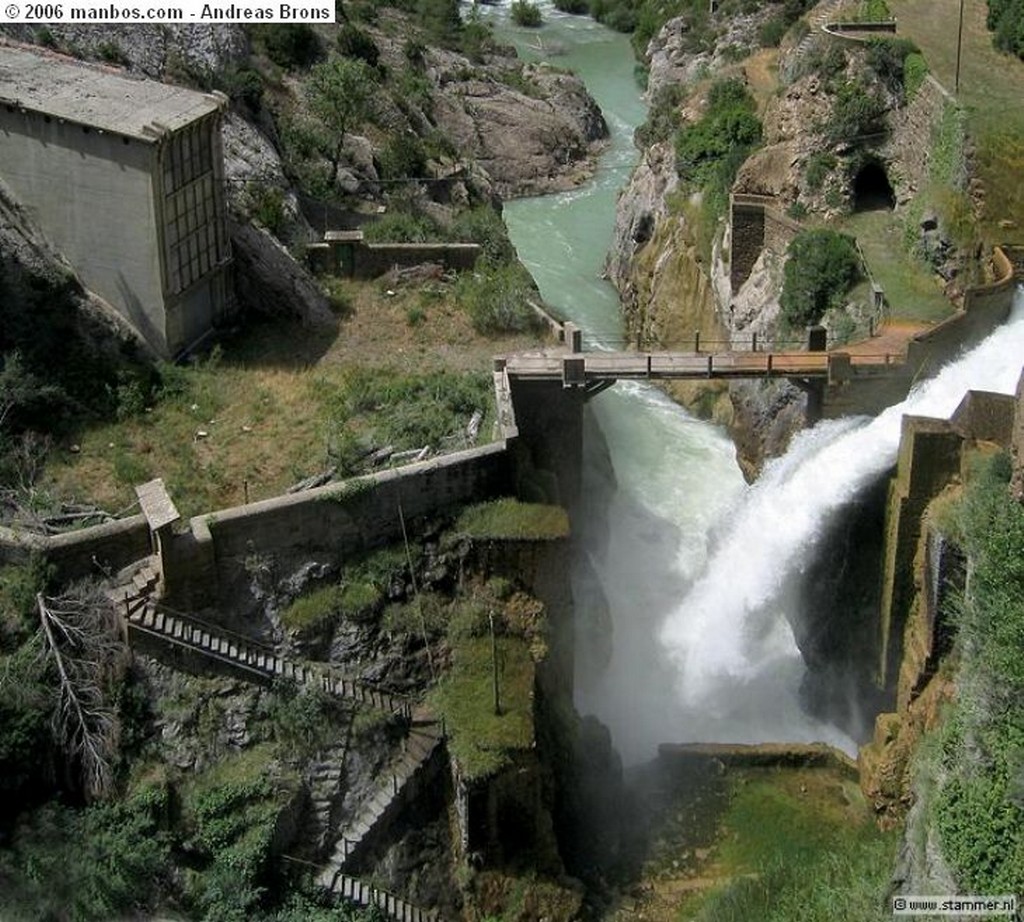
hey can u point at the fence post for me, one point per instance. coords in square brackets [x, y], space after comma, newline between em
[711, 360]
[753, 344]
[696, 341]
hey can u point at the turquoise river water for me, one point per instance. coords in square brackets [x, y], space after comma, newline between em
[657, 482]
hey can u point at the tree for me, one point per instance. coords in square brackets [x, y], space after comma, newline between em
[821, 266]
[82, 641]
[340, 93]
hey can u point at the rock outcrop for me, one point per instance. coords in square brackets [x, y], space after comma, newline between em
[164, 52]
[529, 143]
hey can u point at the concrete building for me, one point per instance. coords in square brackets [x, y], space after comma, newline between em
[126, 178]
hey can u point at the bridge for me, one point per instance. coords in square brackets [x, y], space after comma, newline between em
[596, 370]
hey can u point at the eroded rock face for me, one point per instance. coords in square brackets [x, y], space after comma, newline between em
[528, 144]
[160, 51]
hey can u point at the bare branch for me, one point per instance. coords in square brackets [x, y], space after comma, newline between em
[83, 643]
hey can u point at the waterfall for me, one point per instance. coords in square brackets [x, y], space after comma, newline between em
[728, 639]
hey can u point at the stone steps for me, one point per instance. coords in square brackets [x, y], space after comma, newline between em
[364, 895]
[417, 749]
[253, 659]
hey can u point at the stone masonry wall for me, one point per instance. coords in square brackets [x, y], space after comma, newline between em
[84, 552]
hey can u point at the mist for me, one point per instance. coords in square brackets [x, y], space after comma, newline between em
[698, 570]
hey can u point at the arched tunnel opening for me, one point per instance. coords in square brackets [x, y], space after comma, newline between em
[872, 190]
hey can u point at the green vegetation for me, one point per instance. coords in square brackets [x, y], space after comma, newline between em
[480, 740]
[819, 167]
[496, 298]
[978, 807]
[372, 408]
[856, 112]
[890, 59]
[509, 518]
[525, 13]
[1006, 20]
[711, 150]
[821, 267]
[357, 595]
[288, 45]
[340, 93]
[794, 848]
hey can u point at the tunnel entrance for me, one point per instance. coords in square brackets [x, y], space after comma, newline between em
[872, 190]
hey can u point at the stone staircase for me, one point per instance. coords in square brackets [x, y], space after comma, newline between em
[364, 895]
[164, 630]
[419, 746]
[821, 15]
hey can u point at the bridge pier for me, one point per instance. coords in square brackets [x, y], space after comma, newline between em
[550, 445]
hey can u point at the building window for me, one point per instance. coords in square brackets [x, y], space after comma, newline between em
[194, 236]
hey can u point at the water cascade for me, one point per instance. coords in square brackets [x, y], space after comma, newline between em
[682, 570]
[730, 629]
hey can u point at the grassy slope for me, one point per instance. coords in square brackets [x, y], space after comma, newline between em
[991, 90]
[259, 405]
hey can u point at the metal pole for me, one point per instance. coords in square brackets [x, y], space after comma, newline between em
[959, 46]
[494, 661]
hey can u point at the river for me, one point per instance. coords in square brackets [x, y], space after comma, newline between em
[694, 644]
[656, 480]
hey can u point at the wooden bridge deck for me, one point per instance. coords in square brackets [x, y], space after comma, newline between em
[588, 367]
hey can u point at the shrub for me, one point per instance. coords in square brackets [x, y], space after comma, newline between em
[402, 227]
[290, 45]
[483, 225]
[496, 299]
[819, 165]
[353, 42]
[112, 53]
[403, 157]
[662, 116]
[268, 207]
[887, 58]
[1006, 21]
[855, 113]
[821, 266]
[245, 87]
[979, 811]
[709, 152]
[576, 7]
[525, 13]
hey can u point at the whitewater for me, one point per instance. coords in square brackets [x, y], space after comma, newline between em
[730, 630]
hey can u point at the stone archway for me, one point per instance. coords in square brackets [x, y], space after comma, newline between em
[872, 190]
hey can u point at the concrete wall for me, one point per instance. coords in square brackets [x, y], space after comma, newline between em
[80, 553]
[930, 458]
[359, 259]
[214, 558]
[92, 194]
[756, 225]
[859, 389]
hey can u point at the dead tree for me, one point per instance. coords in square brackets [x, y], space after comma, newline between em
[82, 640]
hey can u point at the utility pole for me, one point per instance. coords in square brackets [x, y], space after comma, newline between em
[959, 46]
[494, 663]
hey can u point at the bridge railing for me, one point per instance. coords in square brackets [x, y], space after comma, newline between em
[597, 341]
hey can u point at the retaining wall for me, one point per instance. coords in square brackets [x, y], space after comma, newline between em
[346, 253]
[756, 225]
[930, 457]
[328, 524]
[85, 552]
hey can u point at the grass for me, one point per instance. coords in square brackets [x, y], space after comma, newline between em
[912, 291]
[795, 845]
[991, 90]
[511, 519]
[481, 741]
[258, 405]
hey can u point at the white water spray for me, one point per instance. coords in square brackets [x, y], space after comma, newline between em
[729, 632]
